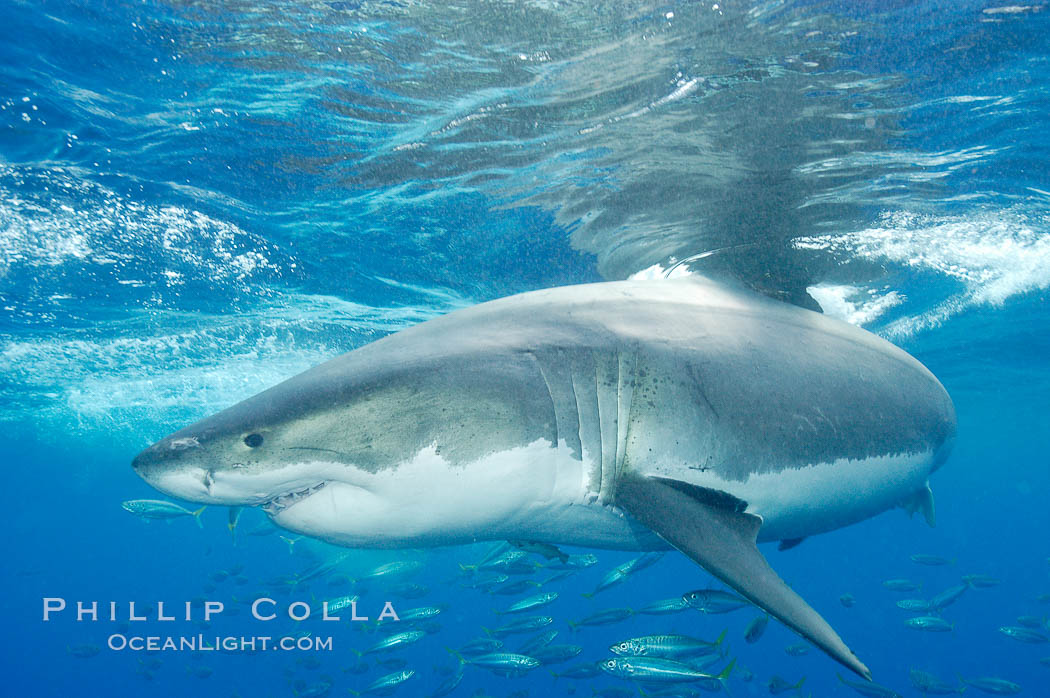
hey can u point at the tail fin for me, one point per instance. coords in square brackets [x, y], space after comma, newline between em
[197, 516]
[723, 678]
[233, 515]
[291, 543]
[457, 655]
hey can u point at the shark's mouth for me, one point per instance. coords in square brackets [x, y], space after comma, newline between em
[281, 502]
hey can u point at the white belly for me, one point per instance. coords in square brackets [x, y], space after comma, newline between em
[534, 492]
[800, 502]
[539, 493]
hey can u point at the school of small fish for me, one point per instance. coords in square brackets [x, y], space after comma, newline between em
[519, 637]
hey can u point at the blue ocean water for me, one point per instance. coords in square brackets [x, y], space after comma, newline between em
[198, 200]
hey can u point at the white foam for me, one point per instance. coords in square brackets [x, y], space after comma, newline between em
[51, 218]
[853, 304]
[657, 272]
[198, 366]
[156, 363]
[992, 255]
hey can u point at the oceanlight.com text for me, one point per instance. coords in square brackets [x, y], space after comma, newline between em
[230, 643]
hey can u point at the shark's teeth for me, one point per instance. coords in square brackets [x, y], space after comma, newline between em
[283, 501]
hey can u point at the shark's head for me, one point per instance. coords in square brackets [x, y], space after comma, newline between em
[268, 449]
[341, 421]
[349, 444]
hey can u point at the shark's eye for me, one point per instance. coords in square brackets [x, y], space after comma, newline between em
[253, 440]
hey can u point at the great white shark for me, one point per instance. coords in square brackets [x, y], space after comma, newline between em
[632, 415]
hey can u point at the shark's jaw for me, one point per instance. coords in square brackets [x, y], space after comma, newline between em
[272, 489]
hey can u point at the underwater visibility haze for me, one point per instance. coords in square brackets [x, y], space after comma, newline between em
[201, 200]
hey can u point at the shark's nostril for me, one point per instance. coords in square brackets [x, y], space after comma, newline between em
[209, 479]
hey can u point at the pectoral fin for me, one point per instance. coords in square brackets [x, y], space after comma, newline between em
[711, 528]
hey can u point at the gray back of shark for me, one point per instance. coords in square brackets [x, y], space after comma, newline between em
[622, 414]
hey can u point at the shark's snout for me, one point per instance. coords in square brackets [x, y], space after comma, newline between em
[195, 469]
[166, 453]
[166, 467]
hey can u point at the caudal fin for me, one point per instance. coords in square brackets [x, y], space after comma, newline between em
[723, 678]
[233, 515]
[291, 543]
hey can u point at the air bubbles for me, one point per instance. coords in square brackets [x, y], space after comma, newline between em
[991, 255]
[855, 305]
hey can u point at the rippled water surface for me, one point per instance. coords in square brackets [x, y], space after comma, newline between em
[199, 199]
